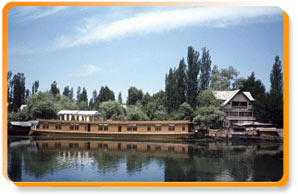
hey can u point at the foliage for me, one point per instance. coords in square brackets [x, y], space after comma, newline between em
[54, 89]
[35, 86]
[112, 110]
[209, 117]
[185, 112]
[120, 98]
[160, 113]
[134, 113]
[105, 94]
[206, 98]
[192, 73]
[134, 95]
[205, 67]
[18, 90]
[224, 79]
[276, 77]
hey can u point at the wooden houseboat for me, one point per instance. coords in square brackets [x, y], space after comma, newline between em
[91, 124]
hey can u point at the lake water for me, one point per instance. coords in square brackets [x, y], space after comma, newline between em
[69, 160]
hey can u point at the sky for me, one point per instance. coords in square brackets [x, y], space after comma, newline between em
[136, 46]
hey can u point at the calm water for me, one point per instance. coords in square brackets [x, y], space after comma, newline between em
[102, 161]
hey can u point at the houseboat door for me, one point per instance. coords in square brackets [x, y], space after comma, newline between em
[89, 127]
[119, 128]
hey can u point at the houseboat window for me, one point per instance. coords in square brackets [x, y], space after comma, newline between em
[171, 148]
[76, 127]
[148, 128]
[58, 126]
[171, 127]
[250, 114]
[86, 127]
[57, 145]
[100, 127]
[45, 126]
[106, 128]
[183, 128]
[157, 128]
[132, 127]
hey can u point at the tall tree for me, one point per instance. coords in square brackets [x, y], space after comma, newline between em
[276, 93]
[66, 91]
[192, 73]
[93, 100]
[54, 89]
[276, 77]
[171, 90]
[224, 79]
[134, 95]
[181, 82]
[120, 98]
[27, 93]
[83, 96]
[255, 87]
[205, 65]
[78, 92]
[35, 86]
[9, 91]
[105, 94]
[71, 94]
[18, 86]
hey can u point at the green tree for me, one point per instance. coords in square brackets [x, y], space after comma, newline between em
[112, 110]
[205, 65]
[276, 77]
[206, 98]
[134, 95]
[185, 112]
[93, 100]
[66, 91]
[134, 113]
[209, 117]
[224, 79]
[120, 98]
[78, 92]
[181, 82]
[18, 88]
[276, 93]
[192, 73]
[54, 89]
[160, 113]
[35, 86]
[105, 94]
[9, 91]
[171, 90]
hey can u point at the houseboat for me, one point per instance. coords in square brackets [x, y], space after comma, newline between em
[91, 124]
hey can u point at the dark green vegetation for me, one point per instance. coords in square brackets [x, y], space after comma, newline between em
[187, 95]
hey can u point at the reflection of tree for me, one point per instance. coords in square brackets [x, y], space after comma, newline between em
[136, 163]
[199, 167]
[39, 163]
[107, 162]
[14, 165]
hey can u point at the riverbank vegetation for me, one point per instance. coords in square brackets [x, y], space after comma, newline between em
[187, 95]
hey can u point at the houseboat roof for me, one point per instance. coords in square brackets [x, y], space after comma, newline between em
[78, 112]
[226, 96]
[121, 122]
[253, 124]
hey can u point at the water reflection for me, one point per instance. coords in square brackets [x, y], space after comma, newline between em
[86, 160]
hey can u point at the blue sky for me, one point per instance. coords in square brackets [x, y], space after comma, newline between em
[135, 46]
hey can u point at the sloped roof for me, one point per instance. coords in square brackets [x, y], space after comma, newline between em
[78, 112]
[226, 96]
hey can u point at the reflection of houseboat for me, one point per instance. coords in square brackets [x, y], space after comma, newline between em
[90, 123]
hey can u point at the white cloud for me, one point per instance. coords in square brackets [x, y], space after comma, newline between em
[85, 70]
[161, 21]
[34, 12]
